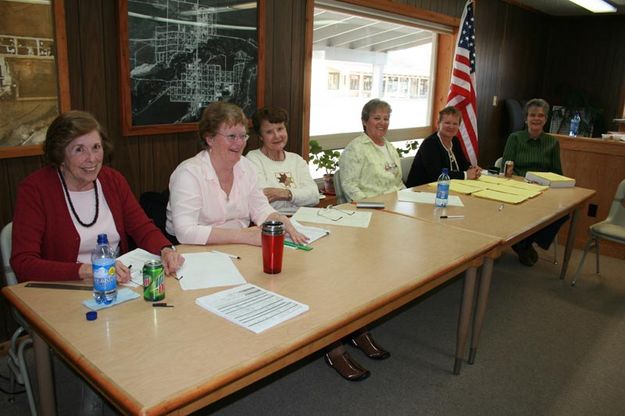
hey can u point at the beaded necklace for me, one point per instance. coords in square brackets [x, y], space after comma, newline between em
[71, 205]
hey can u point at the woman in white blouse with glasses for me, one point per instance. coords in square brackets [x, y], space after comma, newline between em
[213, 196]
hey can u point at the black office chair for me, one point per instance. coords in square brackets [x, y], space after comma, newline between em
[514, 119]
[155, 206]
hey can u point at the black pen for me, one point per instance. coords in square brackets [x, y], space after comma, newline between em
[178, 278]
[161, 305]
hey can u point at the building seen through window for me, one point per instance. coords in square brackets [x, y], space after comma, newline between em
[357, 58]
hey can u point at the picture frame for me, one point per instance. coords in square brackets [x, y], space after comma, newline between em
[175, 58]
[34, 76]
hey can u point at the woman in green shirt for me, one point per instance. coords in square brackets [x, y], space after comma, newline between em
[534, 150]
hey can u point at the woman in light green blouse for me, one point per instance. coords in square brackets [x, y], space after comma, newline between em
[370, 165]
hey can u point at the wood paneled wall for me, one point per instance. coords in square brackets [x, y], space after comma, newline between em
[519, 56]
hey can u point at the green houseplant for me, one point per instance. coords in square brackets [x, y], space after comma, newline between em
[328, 161]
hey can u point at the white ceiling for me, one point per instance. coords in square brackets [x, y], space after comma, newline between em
[565, 7]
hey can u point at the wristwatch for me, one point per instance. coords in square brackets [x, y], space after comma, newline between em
[170, 246]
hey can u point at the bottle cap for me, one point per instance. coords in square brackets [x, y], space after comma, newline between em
[92, 315]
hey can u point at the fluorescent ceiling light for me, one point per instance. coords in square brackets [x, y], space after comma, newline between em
[595, 6]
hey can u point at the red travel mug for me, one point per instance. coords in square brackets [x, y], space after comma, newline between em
[273, 246]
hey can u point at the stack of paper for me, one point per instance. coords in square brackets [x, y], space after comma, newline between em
[525, 185]
[251, 307]
[500, 196]
[407, 195]
[313, 233]
[459, 186]
[204, 270]
[492, 179]
[334, 216]
[550, 179]
[507, 189]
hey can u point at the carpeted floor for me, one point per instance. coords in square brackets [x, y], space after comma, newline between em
[546, 349]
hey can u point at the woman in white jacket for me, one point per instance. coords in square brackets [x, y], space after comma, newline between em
[283, 176]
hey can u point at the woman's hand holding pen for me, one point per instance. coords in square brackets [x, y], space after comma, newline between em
[172, 260]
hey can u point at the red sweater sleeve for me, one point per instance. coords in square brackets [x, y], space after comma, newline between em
[45, 242]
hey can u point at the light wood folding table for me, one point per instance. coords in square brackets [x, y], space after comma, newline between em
[506, 222]
[149, 360]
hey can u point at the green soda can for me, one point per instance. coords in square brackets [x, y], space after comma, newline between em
[153, 281]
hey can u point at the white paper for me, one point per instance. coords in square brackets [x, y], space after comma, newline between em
[251, 307]
[426, 198]
[204, 270]
[313, 233]
[137, 258]
[334, 216]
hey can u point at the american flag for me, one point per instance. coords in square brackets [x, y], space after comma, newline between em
[462, 94]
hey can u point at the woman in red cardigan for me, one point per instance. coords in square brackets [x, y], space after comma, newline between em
[61, 208]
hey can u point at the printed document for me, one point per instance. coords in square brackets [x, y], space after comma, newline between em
[251, 307]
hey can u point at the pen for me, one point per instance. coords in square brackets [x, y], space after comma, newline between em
[297, 246]
[161, 305]
[445, 217]
[178, 278]
[226, 254]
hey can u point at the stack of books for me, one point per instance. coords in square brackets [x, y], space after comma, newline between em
[553, 180]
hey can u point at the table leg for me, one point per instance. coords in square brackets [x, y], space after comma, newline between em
[570, 239]
[47, 405]
[480, 308]
[464, 319]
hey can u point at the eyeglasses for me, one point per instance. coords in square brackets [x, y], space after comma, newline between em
[232, 137]
[331, 213]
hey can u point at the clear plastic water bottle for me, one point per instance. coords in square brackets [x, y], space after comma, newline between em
[574, 125]
[104, 277]
[442, 189]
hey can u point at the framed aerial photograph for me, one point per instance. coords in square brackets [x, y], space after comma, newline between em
[34, 81]
[177, 56]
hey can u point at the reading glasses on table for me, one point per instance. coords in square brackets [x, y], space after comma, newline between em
[330, 212]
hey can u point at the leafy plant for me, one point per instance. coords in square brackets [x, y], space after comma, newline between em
[323, 159]
[408, 147]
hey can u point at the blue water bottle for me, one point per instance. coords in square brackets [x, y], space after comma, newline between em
[104, 276]
[442, 189]
[574, 125]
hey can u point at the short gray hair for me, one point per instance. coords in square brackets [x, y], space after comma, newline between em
[536, 102]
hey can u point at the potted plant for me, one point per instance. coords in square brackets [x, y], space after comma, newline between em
[327, 160]
[408, 147]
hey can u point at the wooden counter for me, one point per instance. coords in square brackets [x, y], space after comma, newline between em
[599, 165]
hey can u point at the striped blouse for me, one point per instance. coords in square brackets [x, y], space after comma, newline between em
[541, 154]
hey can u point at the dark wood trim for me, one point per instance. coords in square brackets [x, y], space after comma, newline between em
[62, 71]
[308, 39]
[407, 10]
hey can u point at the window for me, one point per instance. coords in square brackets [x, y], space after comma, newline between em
[333, 80]
[374, 56]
